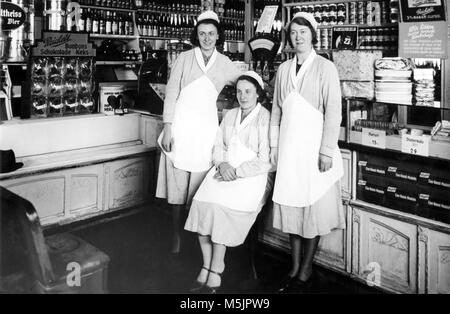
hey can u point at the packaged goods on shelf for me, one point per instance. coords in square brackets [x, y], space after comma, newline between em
[358, 89]
[393, 80]
[355, 65]
[424, 87]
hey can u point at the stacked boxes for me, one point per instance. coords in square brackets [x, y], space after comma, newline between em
[356, 70]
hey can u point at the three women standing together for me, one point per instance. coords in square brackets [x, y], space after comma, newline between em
[234, 160]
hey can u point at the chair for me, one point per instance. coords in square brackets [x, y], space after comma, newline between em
[45, 260]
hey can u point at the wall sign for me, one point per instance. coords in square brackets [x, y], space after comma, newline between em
[422, 10]
[423, 40]
[12, 15]
[344, 37]
[266, 20]
[65, 44]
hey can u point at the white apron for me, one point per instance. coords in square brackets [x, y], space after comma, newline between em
[242, 194]
[298, 181]
[195, 122]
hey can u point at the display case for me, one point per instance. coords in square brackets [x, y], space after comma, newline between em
[61, 76]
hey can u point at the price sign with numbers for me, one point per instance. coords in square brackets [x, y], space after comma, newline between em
[374, 138]
[416, 145]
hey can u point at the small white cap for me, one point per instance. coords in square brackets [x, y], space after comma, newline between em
[255, 75]
[307, 16]
[208, 15]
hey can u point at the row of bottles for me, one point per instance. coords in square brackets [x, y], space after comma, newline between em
[234, 9]
[179, 6]
[361, 12]
[105, 22]
[378, 38]
[165, 25]
[385, 38]
[233, 29]
[119, 4]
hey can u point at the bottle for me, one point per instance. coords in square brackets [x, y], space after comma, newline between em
[265, 72]
[108, 23]
[115, 24]
[88, 26]
[95, 22]
[82, 21]
[102, 22]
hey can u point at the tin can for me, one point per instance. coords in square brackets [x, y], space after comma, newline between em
[352, 13]
[318, 45]
[376, 9]
[325, 14]
[383, 9]
[324, 38]
[332, 15]
[361, 13]
[310, 9]
[341, 13]
[369, 13]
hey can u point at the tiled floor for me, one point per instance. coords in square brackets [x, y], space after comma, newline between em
[138, 246]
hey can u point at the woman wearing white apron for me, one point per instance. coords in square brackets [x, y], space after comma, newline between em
[234, 191]
[305, 120]
[190, 118]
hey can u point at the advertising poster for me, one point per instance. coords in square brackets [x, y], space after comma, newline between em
[423, 40]
[422, 10]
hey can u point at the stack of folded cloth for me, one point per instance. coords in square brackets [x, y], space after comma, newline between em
[393, 81]
[441, 129]
[423, 87]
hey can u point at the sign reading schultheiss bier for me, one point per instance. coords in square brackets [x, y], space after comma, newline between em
[423, 30]
[64, 44]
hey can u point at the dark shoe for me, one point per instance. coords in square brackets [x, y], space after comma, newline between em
[285, 284]
[197, 286]
[212, 290]
[300, 286]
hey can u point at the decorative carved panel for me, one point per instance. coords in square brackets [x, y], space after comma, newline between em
[443, 284]
[390, 249]
[84, 190]
[45, 193]
[129, 184]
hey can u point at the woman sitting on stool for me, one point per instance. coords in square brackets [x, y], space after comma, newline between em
[229, 199]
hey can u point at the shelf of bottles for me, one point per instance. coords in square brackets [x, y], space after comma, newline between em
[376, 21]
[232, 15]
[164, 25]
[104, 23]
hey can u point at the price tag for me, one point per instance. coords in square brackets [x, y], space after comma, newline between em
[374, 138]
[416, 145]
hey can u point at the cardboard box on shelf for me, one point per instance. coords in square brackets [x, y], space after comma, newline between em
[361, 89]
[356, 65]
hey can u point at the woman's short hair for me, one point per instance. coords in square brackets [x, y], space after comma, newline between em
[194, 34]
[261, 93]
[301, 21]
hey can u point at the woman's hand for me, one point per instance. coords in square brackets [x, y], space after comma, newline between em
[167, 140]
[274, 156]
[227, 172]
[325, 163]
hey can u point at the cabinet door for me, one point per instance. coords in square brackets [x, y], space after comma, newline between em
[47, 192]
[86, 187]
[384, 252]
[128, 182]
[334, 248]
[437, 263]
[346, 181]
